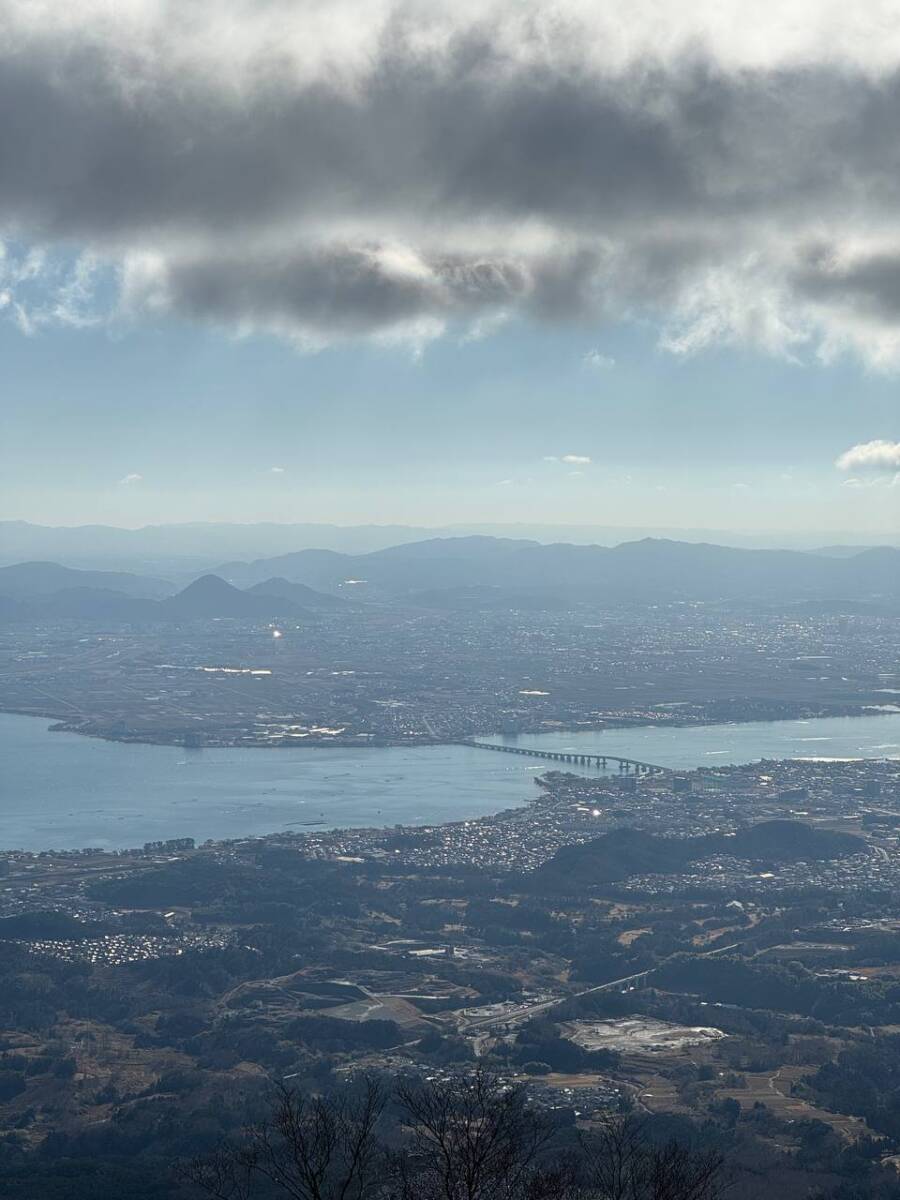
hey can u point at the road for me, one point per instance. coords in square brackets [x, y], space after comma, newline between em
[525, 1012]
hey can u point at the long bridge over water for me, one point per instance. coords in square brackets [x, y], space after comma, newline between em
[626, 765]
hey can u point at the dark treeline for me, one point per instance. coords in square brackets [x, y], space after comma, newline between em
[464, 1136]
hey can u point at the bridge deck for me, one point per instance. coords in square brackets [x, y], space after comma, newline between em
[590, 760]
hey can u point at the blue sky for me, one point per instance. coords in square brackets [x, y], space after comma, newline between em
[461, 432]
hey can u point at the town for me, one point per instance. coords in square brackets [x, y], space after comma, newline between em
[376, 675]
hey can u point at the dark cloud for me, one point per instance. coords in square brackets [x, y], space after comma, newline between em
[82, 156]
[870, 283]
[341, 289]
[445, 183]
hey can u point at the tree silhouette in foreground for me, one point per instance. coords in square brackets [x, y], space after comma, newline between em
[474, 1138]
[620, 1163]
[308, 1148]
[465, 1137]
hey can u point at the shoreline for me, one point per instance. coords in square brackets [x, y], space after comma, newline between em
[545, 800]
[373, 742]
[486, 801]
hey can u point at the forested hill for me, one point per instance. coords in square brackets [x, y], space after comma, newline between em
[626, 852]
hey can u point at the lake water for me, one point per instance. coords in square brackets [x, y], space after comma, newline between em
[60, 790]
[875, 736]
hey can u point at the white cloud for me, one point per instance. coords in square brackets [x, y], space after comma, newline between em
[130, 478]
[276, 470]
[598, 362]
[573, 460]
[875, 456]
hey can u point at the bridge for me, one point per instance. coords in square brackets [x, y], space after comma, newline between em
[627, 766]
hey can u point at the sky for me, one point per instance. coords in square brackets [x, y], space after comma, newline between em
[428, 264]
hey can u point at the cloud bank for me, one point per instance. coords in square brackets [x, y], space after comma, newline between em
[392, 169]
[878, 456]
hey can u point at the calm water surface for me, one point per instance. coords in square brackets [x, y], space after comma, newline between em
[61, 790]
[876, 736]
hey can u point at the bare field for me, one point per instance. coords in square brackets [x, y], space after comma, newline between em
[774, 1090]
[640, 1034]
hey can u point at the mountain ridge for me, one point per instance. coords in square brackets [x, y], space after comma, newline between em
[651, 568]
[34, 578]
[504, 572]
[196, 546]
[208, 597]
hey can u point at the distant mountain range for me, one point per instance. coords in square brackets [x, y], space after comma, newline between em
[453, 573]
[647, 570]
[26, 593]
[186, 547]
[298, 593]
[210, 596]
[30, 579]
[189, 549]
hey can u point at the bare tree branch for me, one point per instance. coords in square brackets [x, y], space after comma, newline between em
[473, 1138]
[309, 1148]
[468, 1137]
[622, 1164]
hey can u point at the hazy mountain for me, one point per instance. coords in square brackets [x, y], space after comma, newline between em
[647, 570]
[12, 610]
[325, 564]
[842, 551]
[299, 593]
[90, 604]
[473, 572]
[435, 563]
[206, 598]
[186, 548]
[45, 578]
[183, 549]
[210, 596]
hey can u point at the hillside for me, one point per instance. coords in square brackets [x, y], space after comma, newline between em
[627, 852]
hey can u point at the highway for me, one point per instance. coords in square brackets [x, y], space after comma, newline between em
[525, 1012]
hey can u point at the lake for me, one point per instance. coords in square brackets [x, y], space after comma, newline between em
[60, 790]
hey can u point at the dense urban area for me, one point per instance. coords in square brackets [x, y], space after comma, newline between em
[406, 676]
